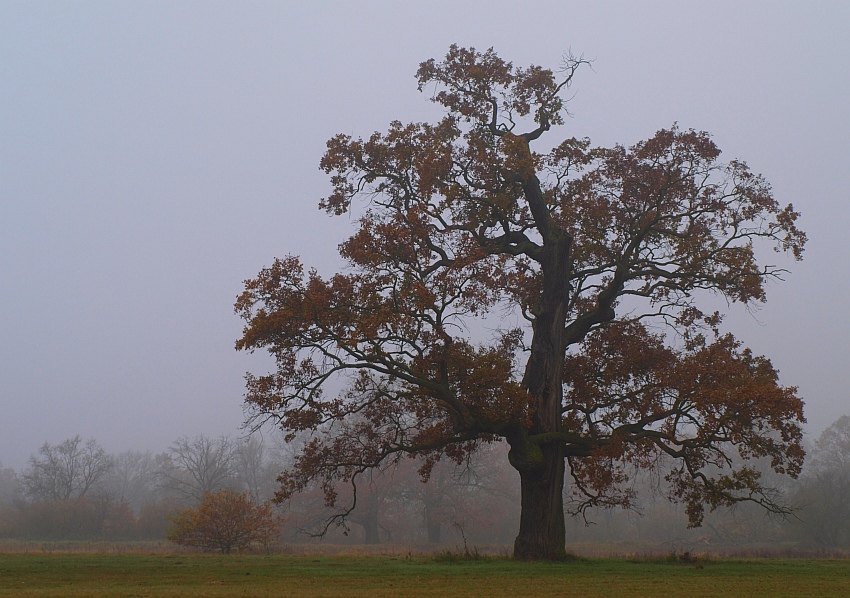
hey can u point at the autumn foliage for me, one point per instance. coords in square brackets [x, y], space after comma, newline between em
[552, 298]
[224, 520]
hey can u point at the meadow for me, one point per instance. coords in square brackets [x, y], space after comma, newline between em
[84, 574]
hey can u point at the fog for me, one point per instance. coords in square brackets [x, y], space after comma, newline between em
[153, 155]
[471, 508]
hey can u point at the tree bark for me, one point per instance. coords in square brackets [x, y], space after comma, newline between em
[542, 529]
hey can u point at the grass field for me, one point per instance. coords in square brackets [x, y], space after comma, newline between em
[77, 575]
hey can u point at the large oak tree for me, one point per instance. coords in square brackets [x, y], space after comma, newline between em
[593, 265]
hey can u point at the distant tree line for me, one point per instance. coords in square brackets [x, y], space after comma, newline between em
[75, 489]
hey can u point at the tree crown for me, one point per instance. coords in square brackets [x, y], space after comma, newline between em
[462, 225]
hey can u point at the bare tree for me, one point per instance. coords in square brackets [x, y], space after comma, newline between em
[196, 466]
[10, 486]
[824, 491]
[254, 468]
[133, 478]
[66, 470]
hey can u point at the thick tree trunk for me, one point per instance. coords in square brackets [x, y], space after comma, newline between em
[368, 511]
[542, 530]
[431, 500]
[370, 527]
[370, 530]
[432, 525]
[540, 460]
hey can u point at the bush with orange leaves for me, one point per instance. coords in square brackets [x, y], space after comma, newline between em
[225, 520]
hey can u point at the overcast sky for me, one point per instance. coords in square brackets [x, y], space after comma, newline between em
[153, 155]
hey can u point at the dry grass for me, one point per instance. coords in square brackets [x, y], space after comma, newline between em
[586, 549]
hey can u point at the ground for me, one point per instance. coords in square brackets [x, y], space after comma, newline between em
[80, 574]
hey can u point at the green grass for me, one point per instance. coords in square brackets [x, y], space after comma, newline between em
[77, 575]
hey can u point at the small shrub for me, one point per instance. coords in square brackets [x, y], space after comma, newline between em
[225, 521]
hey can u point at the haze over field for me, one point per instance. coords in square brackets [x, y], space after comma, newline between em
[153, 155]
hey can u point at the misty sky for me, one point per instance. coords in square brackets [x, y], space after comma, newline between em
[153, 155]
